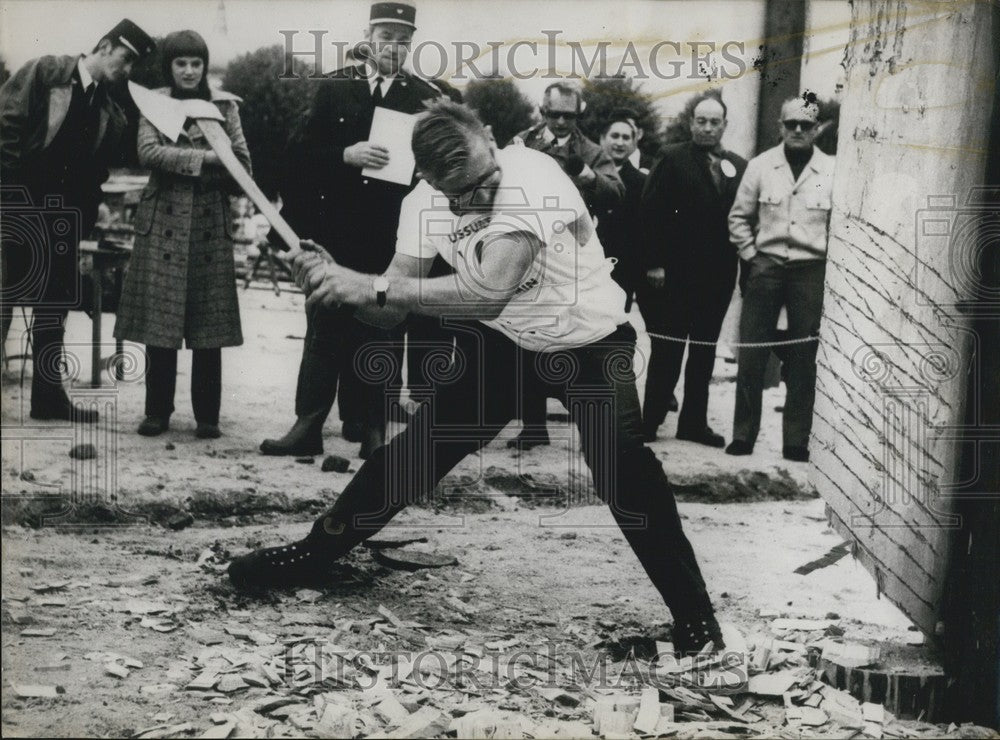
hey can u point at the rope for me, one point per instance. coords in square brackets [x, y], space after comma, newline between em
[781, 343]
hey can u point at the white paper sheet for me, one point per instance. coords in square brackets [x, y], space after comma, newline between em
[393, 130]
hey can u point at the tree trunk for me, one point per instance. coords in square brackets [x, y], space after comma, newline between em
[896, 343]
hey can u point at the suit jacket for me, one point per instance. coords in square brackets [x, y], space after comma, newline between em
[33, 106]
[353, 216]
[607, 189]
[686, 218]
[181, 283]
[620, 229]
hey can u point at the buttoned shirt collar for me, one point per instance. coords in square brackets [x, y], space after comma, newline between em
[373, 74]
[548, 137]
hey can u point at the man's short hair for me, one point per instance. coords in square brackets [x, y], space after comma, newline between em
[709, 96]
[621, 117]
[442, 137]
[565, 88]
[806, 101]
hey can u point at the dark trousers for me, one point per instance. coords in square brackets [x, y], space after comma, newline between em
[48, 327]
[339, 348]
[470, 408]
[206, 383]
[685, 312]
[772, 284]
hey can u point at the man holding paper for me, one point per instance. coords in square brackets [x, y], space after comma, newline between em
[350, 167]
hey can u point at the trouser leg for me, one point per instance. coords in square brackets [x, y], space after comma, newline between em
[319, 369]
[47, 331]
[161, 381]
[463, 415]
[206, 385]
[368, 357]
[761, 304]
[706, 323]
[665, 355]
[805, 305]
[629, 477]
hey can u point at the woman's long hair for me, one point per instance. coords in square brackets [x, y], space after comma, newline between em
[185, 44]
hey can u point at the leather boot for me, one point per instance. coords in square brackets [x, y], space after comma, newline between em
[303, 439]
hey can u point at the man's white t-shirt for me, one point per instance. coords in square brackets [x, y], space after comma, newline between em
[567, 298]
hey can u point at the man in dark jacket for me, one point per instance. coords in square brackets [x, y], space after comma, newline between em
[354, 215]
[596, 177]
[59, 129]
[619, 227]
[690, 269]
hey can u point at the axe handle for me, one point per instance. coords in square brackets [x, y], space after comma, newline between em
[219, 141]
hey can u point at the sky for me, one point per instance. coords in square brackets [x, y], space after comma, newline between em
[634, 28]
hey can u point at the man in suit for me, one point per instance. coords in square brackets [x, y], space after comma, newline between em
[690, 269]
[355, 216]
[619, 227]
[596, 178]
[59, 129]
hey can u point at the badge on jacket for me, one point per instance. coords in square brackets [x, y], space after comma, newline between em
[728, 168]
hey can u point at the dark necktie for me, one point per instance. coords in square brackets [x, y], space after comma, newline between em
[377, 92]
[715, 168]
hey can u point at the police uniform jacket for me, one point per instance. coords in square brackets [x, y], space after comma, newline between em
[354, 216]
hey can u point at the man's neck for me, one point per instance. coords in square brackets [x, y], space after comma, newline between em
[714, 149]
[799, 156]
[90, 63]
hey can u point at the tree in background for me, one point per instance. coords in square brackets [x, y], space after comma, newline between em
[603, 95]
[501, 105]
[272, 108]
[4, 72]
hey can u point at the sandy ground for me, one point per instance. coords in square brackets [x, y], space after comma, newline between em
[525, 567]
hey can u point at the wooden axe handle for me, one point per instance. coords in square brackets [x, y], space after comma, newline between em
[219, 141]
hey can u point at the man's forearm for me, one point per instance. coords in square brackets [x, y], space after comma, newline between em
[441, 296]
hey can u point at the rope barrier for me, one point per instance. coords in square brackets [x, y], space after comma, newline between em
[780, 343]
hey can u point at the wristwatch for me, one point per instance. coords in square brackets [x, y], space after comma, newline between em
[381, 286]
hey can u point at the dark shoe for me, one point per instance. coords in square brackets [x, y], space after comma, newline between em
[64, 411]
[739, 447]
[304, 439]
[154, 426]
[207, 431]
[372, 439]
[691, 636]
[795, 453]
[703, 436]
[296, 564]
[528, 440]
[673, 405]
[351, 431]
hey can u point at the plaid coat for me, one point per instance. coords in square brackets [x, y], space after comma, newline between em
[181, 283]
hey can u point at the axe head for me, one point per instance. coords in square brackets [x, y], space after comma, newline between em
[169, 114]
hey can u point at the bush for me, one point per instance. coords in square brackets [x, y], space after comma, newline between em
[272, 108]
[605, 94]
[501, 105]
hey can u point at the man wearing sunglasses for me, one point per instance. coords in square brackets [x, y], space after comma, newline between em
[531, 288]
[780, 225]
[596, 177]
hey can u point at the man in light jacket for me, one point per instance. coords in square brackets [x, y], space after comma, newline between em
[780, 225]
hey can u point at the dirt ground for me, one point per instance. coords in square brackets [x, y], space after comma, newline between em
[530, 568]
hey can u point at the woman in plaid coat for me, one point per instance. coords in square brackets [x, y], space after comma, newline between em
[181, 284]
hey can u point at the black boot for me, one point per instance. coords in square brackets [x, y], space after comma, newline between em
[691, 635]
[305, 438]
[297, 564]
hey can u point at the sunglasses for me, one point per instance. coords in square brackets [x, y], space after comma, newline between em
[556, 115]
[804, 126]
[461, 195]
